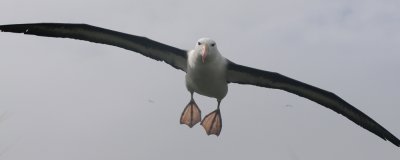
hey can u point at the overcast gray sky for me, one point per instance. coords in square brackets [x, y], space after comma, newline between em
[66, 99]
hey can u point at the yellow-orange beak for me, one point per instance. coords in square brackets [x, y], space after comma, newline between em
[204, 53]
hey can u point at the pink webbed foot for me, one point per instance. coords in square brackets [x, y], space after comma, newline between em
[191, 115]
[212, 123]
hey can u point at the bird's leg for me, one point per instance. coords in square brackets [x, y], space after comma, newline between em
[212, 122]
[191, 115]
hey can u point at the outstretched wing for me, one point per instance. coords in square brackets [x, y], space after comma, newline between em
[173, 56]
[246, 75]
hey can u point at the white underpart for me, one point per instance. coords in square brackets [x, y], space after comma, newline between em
[209, 78]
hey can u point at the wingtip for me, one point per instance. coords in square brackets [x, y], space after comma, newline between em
[395, 141]
[386, 135]
[16, 28]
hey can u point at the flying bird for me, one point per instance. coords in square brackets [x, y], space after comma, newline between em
[208, 73]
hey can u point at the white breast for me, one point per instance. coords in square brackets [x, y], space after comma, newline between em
[208, 79]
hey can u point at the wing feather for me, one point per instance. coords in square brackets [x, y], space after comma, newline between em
[246, 75]
[173, 56]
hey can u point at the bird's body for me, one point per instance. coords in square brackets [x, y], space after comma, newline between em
[207, 73]
[207, 81]
[207, 78]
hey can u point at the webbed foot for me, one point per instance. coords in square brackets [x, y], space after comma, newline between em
[212, 123]
[191, 115]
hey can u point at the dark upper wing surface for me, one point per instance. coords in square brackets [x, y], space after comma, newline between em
[173, 56]
[246, 75]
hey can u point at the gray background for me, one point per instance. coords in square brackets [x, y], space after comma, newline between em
[66, 99]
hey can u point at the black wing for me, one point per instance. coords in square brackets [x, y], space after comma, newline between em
[147, 47]
[246, 75]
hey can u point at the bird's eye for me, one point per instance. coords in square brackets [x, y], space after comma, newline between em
[213, 44]
[198, 43]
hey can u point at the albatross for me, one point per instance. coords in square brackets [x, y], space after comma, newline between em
[208, 73]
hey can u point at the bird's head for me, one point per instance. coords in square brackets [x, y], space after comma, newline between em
[207, 49]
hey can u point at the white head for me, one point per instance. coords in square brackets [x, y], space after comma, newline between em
[207, 48]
